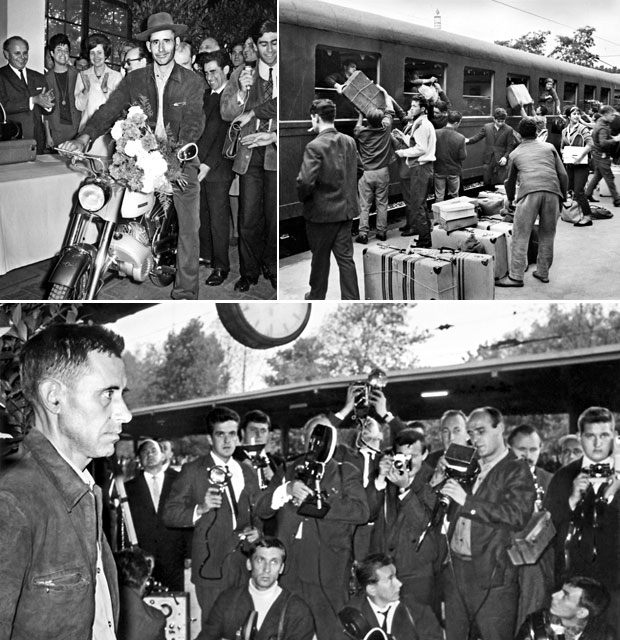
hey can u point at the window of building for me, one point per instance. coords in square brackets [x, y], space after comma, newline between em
[571, 93]
[417, 70]
[333, 66]
[477, 92]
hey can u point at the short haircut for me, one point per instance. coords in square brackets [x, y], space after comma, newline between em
[500, 114]
[58, 39]
[454, 117]
[421, 100]
[220, 56]
[200, 58]
[9, 41]
[409, 436]
[594, 596]
[366, 569]
[148, 441]
[184, 46]
[268, 542]
[595, 415]
[348, 62]
[543, 110]
[527, 127]
[441, 105]
[217, 415]
[255, 416]
[324, 108]
[493, 413]
[98, 38]
[606, 109]
[522, 430]
[549, 80]
[453, 413]
[133, 568]
[261, 27]
[375, 116]
[61, 351]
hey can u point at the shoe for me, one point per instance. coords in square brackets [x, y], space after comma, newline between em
[584, 222]
[362, 239]
[407, 231]
[423, 245]
[204, 261]
[403, 228]
[507, 281]
[216, 277]
[307, 296]
[382, 237]
[591, 199]
[617, 203]
[539, 277]
[244, 282]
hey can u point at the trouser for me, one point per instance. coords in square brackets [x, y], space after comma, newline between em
[374, 184]
[577, 178]
[418, 220]
[187, 204]
[441, 182]
[215, 223]
[546, 207]
[602, 170]
[325, 239]
[258, 231]
[493, 174]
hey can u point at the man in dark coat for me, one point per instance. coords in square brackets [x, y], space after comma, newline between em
[327, 186]
[23, 92]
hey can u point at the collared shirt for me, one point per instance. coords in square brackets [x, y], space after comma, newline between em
[596, 482]
[263, 72]
[161, 78]
[379, 611]
[155, 483]
[263, 600]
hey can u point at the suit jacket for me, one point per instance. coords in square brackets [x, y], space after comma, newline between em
[502, 505]
[138, 620]
[214, 541]
[606, 536]
[498, 144]
[595, 629]
[327, 180]
[53, 118]
[233, 606]
[212, 141]
[230, 109]
[403, 626]
[15, 98]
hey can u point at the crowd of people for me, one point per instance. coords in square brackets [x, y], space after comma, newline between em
[376, 536]
[430, 153]
[223, 200]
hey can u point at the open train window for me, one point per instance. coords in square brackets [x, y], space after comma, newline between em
[589, 93]
[605, 95]
[419, 72]
[333, 66]
[477, 91]
[571, 93]
[522, 81]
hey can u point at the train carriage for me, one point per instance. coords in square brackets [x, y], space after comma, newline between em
[317, 38]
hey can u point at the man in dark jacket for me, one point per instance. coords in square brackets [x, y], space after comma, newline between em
[58, 574]
[605, 144]
[175, 95]
[327, 186]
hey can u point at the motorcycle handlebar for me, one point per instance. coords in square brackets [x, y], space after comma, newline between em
[97, 164]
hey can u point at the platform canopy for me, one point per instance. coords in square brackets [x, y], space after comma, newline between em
[559, 382]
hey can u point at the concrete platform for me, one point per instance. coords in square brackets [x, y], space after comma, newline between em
[586, 265]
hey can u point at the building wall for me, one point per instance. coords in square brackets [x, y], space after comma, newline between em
[25, 18]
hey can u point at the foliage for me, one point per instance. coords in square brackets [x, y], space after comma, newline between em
[532, 42]
[354, 339]
[226, 20]
[576, 48]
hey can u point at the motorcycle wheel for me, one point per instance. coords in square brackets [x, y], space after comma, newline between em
[79, 292]
[161, 279]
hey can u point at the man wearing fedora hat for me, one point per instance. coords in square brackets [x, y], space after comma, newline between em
[175, 96]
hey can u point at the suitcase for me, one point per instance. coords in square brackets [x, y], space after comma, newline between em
[475, 272]
[518, 94]
[391, 274]
[456, 215]
[494, 244]
[14, 151]
[497, 223]
[436, 207]
[490, 205]
[363, 92]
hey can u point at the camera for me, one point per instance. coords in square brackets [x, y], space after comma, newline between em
[461, 463]
[599, 471]
[401, 462]
[377, 379]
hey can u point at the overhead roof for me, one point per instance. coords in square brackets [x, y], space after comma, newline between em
[564, 382]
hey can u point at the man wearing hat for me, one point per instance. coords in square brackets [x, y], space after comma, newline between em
[175, 96]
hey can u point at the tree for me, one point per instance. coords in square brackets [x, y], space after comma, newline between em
[576, 48]
[532, 42]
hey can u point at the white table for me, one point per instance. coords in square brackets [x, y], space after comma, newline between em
[36, 199]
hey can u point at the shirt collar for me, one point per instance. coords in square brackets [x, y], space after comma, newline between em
[16, 71]
[587, 462]
[263, 70]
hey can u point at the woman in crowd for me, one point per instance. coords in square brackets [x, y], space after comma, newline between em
[236, 54]
[94, 85]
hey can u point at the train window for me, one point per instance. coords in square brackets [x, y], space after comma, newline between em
[605, 95]
[570, 93]
[511, 79]
[333, 66]
[589, 92]
[477, 91]
[418, 71]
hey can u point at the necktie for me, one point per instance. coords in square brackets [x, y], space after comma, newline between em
[267, 94]
[384, 622]
[22, 76]
[231, 493]
[155, 492]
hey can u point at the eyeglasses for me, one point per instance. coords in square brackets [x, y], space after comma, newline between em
[130, 60]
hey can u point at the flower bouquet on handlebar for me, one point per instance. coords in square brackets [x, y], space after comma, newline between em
[124, 222]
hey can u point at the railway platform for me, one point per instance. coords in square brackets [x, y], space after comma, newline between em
[586, 264]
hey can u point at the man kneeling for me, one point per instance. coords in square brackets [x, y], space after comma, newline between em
[262, 605]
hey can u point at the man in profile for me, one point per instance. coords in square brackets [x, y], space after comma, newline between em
[58, 574]
[327, 186]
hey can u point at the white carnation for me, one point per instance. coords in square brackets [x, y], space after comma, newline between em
[133, 148]
[136, 112]
[117, 130]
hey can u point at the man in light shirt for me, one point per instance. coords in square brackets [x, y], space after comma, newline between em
[58, 574]
[262, 603]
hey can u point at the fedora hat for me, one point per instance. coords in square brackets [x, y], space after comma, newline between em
[161, 22]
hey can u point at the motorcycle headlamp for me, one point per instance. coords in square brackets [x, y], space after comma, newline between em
[92, 196]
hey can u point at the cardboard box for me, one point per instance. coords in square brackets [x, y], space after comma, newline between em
[14, 151]
[363, 92]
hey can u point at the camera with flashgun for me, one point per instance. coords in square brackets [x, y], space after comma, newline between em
[377, 379]
[217, 478]
[461, 463]
[599, 471]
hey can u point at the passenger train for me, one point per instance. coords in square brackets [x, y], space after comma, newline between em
[317, 38]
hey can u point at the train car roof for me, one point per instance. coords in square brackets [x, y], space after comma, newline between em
[330, 17]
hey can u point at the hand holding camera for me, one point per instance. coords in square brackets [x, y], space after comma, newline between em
[299, 492]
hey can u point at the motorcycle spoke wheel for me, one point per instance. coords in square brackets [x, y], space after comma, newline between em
[161, 279]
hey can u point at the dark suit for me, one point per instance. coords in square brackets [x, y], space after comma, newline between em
[15, 98]
[138, 620]
[214, 202]
[327, 186]
[485, 587]
[217, 559]
[498, 143]
[167, 545]
[319, 561]
[595, 629]
[403, 626]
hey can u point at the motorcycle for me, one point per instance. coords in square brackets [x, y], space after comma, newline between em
[115, 231]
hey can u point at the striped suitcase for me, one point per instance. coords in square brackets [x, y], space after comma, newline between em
[496, 223]
[391, 274]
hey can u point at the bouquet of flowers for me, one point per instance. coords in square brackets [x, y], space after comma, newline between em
[143, 162]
